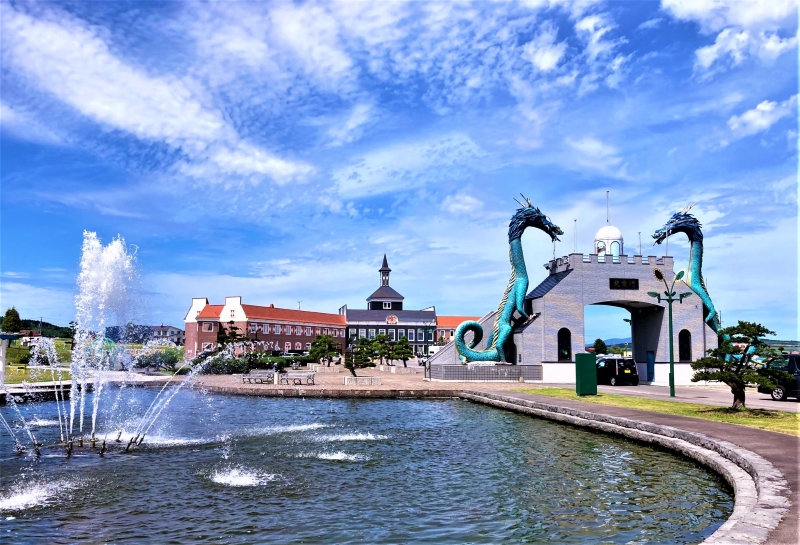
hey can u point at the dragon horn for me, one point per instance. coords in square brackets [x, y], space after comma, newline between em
[527, 200]
[519, 203]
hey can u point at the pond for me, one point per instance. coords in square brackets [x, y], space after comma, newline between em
[226, 469]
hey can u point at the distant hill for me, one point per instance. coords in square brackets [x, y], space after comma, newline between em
[612, 342]
[48, 329]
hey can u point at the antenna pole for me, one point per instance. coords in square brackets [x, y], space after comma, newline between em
[298, 305]
[608, 214]
[640, 243]
[576, 237]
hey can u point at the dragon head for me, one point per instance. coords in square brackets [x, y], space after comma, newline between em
[530, 216]
[680, 222]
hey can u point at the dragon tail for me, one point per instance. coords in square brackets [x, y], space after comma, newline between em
[467, 350]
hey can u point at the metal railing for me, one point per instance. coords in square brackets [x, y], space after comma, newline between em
[485, 373]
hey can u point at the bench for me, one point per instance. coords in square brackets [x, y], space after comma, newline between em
[297, 377]
[259, 376]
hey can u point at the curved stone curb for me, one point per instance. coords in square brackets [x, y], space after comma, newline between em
[760, 490]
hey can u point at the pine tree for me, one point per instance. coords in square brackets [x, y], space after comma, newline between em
[403, 351]
[11, 322]
[600, 347]
[734, 361]
[380, 345]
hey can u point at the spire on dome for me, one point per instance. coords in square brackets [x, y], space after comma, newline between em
[385, 270]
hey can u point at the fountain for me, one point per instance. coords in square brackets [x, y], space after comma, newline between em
[455, 471]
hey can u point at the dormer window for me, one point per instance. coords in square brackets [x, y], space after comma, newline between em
[387, 305]
[232, 313]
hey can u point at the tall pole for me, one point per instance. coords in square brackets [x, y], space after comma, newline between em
[576, 237]
[671, 352]
[640, 243]
[608, 213]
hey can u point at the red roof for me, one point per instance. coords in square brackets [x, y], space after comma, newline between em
[453, 322]
[288, 315]
[210, 311]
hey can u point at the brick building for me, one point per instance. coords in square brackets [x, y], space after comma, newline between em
[274, 329]
[446, 326]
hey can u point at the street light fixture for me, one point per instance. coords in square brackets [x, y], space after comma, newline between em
[670, 297]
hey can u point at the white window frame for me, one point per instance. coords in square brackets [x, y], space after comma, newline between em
[206, 346]
[401, 333]
[298, 346]
[381, 332]
[362, 333]
[387, 305]
[233, 313]
[371, 334]
[208, 327]
[253, 328]
[265, 329]
[430, 335]
[392, 335]
[308, 346]
[410, 334]
[287, 346]
[308, 331]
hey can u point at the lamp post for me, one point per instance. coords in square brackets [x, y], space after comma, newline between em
[670, 297]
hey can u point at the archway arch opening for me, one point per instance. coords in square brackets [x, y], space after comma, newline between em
[685, 345]
[564, 344]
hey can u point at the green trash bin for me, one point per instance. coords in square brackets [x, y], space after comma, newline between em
[586, 374]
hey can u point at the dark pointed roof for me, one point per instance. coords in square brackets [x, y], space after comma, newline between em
[547, 284]
[385, 266]
[385, 293]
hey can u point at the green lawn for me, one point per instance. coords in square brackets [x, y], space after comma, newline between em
[780, 421]
[16, 374]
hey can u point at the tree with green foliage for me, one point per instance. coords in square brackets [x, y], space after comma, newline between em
[738, 360]
[11, 322]
[360, 356]
[600, 347]
[403, 351]
[323, 349]
[230, 334]
[381, 347]
[166, 358]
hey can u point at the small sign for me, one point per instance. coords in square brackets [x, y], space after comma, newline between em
[391, 320]
[623, 283]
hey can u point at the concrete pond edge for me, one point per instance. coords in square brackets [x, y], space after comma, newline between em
[760, 489]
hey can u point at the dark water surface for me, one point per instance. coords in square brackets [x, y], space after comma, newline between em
[223, 469]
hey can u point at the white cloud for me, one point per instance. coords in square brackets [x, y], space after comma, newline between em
[22, 126]
[714, 15]
[745, 28]
[592, 29]
[351, 128]
[462, 204]
[596, 155]
[404, 165]
[762, 117]
[543, 51]
[650, 23]
[52, 304]
[71, 61]
[312, 35]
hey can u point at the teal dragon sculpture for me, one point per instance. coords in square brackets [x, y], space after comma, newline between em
[510, 310]
[683, 222]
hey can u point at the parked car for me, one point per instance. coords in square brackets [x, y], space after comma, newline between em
[787, 387]
[617, 370]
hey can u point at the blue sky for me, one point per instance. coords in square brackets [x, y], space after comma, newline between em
[276, 150]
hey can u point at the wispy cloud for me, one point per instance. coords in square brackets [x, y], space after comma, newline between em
[406, 165]
[762, 117]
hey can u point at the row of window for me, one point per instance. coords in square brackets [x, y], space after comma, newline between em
[279, 329]
[286, 347]
[394, 335]
[447, 334]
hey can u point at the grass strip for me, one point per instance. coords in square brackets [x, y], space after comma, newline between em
[17, 375]
[779, 421]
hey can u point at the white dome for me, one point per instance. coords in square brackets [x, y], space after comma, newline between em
[608, 232]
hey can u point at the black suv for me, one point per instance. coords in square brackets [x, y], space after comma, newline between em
[785, 388]
[617, 370]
